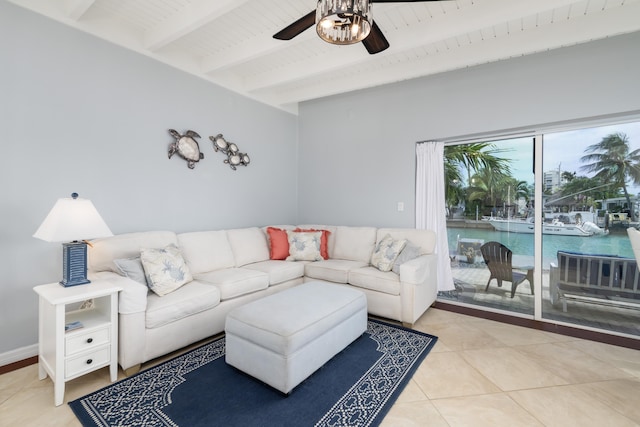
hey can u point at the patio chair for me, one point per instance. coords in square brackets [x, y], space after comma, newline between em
[498, 259]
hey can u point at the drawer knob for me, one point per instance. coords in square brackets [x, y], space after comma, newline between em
[89, 362]
[89, 341]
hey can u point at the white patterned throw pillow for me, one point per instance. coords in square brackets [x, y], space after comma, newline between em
[304, 246]
[386, 252]
[165, 269]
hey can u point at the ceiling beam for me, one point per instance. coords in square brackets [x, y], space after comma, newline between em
[77, 8]
[191, 18]
[257, 47]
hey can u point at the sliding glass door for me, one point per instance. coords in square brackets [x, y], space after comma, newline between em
[590, 199]
[588, 188]
[490, 189]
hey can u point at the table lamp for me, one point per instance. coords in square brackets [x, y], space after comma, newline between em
[72, 221]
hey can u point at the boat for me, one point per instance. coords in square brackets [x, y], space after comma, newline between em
[557, 227]
[573, 217]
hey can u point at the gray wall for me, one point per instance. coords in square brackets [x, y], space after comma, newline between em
[80, 114]
[357, 150]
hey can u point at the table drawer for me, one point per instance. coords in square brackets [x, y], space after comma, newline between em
[87, 362]
[86, 340]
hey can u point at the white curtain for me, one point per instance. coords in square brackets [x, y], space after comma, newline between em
[431, 206]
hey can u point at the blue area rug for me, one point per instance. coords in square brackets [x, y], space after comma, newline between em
[355, 388]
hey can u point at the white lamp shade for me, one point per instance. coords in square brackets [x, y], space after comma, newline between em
[72, 219]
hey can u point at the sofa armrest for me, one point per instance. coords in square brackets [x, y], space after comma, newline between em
[132, 305]
[132, 298]
[417, 270]
[418, 287]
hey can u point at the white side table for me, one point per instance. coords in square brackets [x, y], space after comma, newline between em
[68, 355]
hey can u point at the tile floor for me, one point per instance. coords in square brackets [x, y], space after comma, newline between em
[480, 373]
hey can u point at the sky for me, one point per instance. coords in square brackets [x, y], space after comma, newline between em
[564, 149]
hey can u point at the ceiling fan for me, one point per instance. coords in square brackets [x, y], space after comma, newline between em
[343, 22]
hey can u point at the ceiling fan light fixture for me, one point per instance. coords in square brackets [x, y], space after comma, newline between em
[343, 21]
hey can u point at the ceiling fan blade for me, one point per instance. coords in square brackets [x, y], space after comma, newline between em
[375, 42]
[297, 27]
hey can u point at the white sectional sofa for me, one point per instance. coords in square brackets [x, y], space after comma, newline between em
[232, 267]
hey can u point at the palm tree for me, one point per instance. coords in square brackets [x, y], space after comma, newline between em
[612, 161]
[454, 193]
[515, 190]
[486, 186]
[476, 156]
[468, 157]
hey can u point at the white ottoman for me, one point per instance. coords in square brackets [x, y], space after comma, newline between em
[285, 337]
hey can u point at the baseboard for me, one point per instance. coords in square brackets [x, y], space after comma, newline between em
[18, 355]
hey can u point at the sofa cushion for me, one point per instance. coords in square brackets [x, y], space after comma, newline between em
[103, 251]
[375, 280]
[279, 271]
[386, 252]
[206, 250]
[234, 282]
[304, 246]
[332, 270]
[248, 245]
[354, 243]
[191, 298]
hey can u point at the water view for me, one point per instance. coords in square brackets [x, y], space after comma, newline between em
[616, 243]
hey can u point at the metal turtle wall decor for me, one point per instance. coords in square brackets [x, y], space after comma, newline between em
[186, 146]
[234, 156]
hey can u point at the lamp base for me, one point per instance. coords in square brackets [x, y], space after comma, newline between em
[74, 264]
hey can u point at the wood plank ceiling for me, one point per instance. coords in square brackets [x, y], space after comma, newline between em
[229, 42]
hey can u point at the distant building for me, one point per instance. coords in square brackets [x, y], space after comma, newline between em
[553, 181]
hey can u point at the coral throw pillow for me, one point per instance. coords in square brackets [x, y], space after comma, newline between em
[324, 240]
[278, 243]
